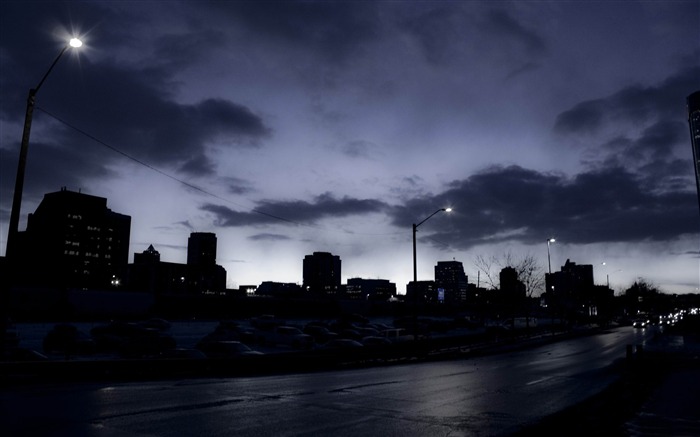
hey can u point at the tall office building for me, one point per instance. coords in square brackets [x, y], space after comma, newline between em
[511, 286]
[201, 249]
[322, 273]
[204, 276]
[74, 241]
[571, 280]
[694, 122]
[450, 278]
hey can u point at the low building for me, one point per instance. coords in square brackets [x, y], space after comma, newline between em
[370, 289]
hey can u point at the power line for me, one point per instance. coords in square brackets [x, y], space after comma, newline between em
[185, 183]
[161, 172]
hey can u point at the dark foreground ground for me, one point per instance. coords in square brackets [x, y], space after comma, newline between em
[657, 394]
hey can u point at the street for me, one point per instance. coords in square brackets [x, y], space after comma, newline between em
[488, 395]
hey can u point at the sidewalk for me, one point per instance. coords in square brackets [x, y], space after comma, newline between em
[658, 394]
[673, 406]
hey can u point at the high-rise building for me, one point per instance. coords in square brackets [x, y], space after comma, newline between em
[694, 122]
[74, 241]
[322, 273]
[450, 278]
[201, 249]
[511, 286]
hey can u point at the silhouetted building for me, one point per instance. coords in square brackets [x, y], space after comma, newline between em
[694, 122]
[451, 282]
[370, 289]
[511, 287]
[201, 274]
[322, 273]
[421, 292]
[74, 241]
[279, 289]
[201, 249]
[569, 289]
[148, 273]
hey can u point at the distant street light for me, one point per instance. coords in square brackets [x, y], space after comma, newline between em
[607, 275]
[415, 227]
[549, 257]
[10, 250]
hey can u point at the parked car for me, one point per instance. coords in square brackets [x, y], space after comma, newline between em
[287, 336]
[132, 340]
[376, 342]
[22, 354]
[182, 354]
[67, 339]
[352, 334]
[225, 349]
[155, 323]
[266, 322]
[396, 335]
[231, 331]
[342, 343]
[320, 334]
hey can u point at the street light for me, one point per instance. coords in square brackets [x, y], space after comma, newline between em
[607, 275]
[21, 165]
[415, 227]
[549, 257]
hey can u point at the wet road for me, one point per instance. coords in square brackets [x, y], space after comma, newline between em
[490, 395]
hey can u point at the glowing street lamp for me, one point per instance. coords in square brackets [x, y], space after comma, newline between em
[415, 227]
[19, 181]
[549, 256]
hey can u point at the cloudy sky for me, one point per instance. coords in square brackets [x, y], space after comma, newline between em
[292, 127]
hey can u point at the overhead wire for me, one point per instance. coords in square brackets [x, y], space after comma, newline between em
[184, 182]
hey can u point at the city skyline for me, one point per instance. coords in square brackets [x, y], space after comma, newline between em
[296, 127]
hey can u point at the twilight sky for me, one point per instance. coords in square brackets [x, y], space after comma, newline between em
[292, 127]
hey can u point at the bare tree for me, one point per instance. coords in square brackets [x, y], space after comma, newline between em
[530, 273]
[487, 266]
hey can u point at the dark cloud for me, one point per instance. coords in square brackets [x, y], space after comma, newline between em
[335, 30]
[517, 204]
[268, 237]
[634, 104]
[125, 110]
[436, 30]
[58, 167]
[181, 50]
[124, 103]
[448, 33]
[236, 185]
[506, 26]
[197, 166]
[295, 212]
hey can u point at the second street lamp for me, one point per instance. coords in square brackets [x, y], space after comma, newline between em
[549, 257]
[415, 227]
[13, 228]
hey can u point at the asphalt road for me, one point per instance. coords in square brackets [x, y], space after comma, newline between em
[488, 395]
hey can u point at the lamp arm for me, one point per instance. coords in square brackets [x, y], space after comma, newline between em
[426, 219]
[55, 61]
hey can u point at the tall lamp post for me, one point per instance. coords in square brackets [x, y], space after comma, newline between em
[415, 227]
[549, 256]
[10, 250]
